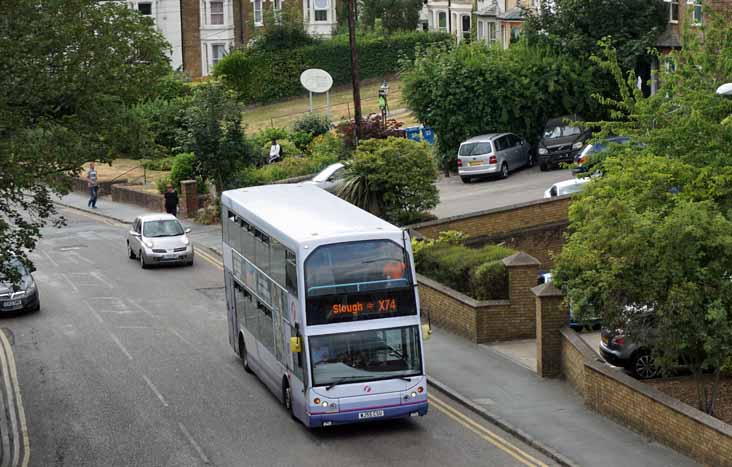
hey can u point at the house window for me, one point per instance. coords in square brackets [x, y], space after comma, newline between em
[217, 12]
[321, 10]
[481, 27]
[145, 8]
[217, 53]
[257, 12]
[466, 27]
[698, 12]
[277, 5]
[491, 32]
[673, 11]
[515, 33]
[442, 21]
[277, 10]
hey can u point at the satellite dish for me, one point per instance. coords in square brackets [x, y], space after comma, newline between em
[725, 89]
[316, 80]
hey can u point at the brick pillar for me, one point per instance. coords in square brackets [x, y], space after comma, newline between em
[190, 12]
[551, 316]
[188, 198]
[523, 270]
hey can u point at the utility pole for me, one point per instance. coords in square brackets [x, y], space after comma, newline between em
[355, 79]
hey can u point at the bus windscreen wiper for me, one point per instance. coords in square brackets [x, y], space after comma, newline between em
[340, 381]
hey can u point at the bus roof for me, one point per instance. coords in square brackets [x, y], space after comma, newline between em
[303, 212]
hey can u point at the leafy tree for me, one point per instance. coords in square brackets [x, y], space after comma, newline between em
[471, 89]
[573, 27]
[392, 178]
[372, 127]
[70, 70]
[654, 234]
[395, 15]
[214, 133]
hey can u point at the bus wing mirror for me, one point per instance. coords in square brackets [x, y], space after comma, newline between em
[426, 332]
[295, 345]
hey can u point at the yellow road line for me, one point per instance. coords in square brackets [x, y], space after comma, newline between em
[18, 398]
[210, 259]
[486, 434]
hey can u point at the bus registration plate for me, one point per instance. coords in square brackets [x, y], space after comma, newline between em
[371, 414]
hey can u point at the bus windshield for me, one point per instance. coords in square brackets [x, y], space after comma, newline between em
[358, 280]
[365, 356]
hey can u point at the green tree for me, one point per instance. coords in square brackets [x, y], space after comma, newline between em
[470, 89]
[654, 234]
[70, 70]
[392, 178]
[214, 133]
[395, 15]
[573, 27]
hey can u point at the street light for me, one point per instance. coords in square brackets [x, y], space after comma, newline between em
[725, 90]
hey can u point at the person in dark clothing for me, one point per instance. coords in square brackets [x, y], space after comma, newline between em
[171, 201]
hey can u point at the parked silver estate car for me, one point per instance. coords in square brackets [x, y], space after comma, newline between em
[159, 239]
[330, 178]
[493, 154]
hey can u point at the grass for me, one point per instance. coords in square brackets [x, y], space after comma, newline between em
[283, 114]
[129, 169]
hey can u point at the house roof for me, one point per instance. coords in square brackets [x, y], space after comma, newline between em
[514, 14]
[669, 39]
[489, 10]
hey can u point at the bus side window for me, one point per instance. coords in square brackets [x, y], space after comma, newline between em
[291, 272]
[262, 247]
[229, 227]
[266, 332]
[278, 260]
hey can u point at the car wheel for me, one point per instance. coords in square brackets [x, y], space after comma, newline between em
[243, 355]
[530, 162]
[465, 179]
[642, 366]
[504, 170]
[543, 167]
[130, 253]
[143, 263]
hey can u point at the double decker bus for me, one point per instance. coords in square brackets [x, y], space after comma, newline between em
[322, 304]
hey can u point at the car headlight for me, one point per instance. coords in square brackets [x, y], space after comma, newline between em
[577, 145]
[186, 241]
[31, 287]
[148, 243]
[543, 151]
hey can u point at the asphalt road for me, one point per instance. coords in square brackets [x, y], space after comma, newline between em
[131, 367]
[522, 186]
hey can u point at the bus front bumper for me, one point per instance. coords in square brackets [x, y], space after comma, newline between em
[417, 409]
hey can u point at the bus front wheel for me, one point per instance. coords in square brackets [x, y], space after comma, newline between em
[243, 354]
[287, 397]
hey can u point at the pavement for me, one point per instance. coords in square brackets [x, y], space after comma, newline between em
[546, 414]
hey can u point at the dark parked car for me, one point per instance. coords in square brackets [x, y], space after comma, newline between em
[22, 296]
[578, 325]
[561, 142]
[588, 156]
[617, 349]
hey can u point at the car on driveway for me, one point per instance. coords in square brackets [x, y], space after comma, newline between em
[330, 178]
[21, 295]
[588, 156]
[617, 349]
[566, 187]
[495, 154]
[159, 239]
[561, 142]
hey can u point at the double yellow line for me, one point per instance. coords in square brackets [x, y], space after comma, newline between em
[482, 432]
[15, 400]
[485, 434]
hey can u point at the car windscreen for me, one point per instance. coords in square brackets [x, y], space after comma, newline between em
[358, 280]
[13, 265]
[560, 131]
[475, 149]
[162, 228]
[365, 356]
[325, 174]
[466, 149]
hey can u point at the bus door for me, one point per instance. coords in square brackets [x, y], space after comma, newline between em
[232, 320]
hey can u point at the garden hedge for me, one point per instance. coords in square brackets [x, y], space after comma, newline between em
[266, 75]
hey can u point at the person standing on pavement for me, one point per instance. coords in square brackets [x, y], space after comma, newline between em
[91, 178]
[171, 201]
[275, 152]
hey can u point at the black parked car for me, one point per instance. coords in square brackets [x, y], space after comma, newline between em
[561, 142]
[22, 296]
[617, 349]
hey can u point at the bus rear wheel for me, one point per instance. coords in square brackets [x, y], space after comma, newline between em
[243, 354]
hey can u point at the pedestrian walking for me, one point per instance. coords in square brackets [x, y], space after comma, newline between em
[171, 201]
[91, 179]
[275, 152]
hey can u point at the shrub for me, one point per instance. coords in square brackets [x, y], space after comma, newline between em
[301, 139]
[392, 178]
[328, 145]
[287, 168]
[209, 215]
[184, 168]
[266, 135]
[372, 127]
[162, 184]
[260, 75]
[165, 119]
[313, 124]
[164, 164]
[478, 273]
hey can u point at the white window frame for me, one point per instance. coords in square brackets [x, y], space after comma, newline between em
[326, 10]
[211, 13]
[441, 28]
[462, 23]
[214, 59]
[259, 22]
[491, 32]
[671, 4]
[480, 35]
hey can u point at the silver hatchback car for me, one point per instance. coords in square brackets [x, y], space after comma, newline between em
[159, 239]
[493, 154]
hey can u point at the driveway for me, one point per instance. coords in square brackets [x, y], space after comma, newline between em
[525, 185]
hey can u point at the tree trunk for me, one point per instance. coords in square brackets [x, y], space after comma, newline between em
[355, 74]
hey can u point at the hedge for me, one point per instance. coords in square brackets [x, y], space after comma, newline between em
[478, 273]
[267, 75]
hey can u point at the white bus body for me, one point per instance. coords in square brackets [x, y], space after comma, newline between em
[301, 263]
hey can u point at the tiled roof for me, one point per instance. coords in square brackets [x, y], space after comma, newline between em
[490, 10]
[669, 39]
[514, 14]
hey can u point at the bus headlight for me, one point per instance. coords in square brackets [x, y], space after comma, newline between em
[325, 404]
[414, 394]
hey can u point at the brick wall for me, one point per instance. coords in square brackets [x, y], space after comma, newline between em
[82, 186]
[501, 221]
[191, 33]
[542, 242]
[128, 194]
[643, 408]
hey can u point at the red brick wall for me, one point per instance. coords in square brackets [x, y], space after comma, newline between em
[128, 194]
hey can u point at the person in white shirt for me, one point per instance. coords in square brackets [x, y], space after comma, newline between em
[274, 152]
